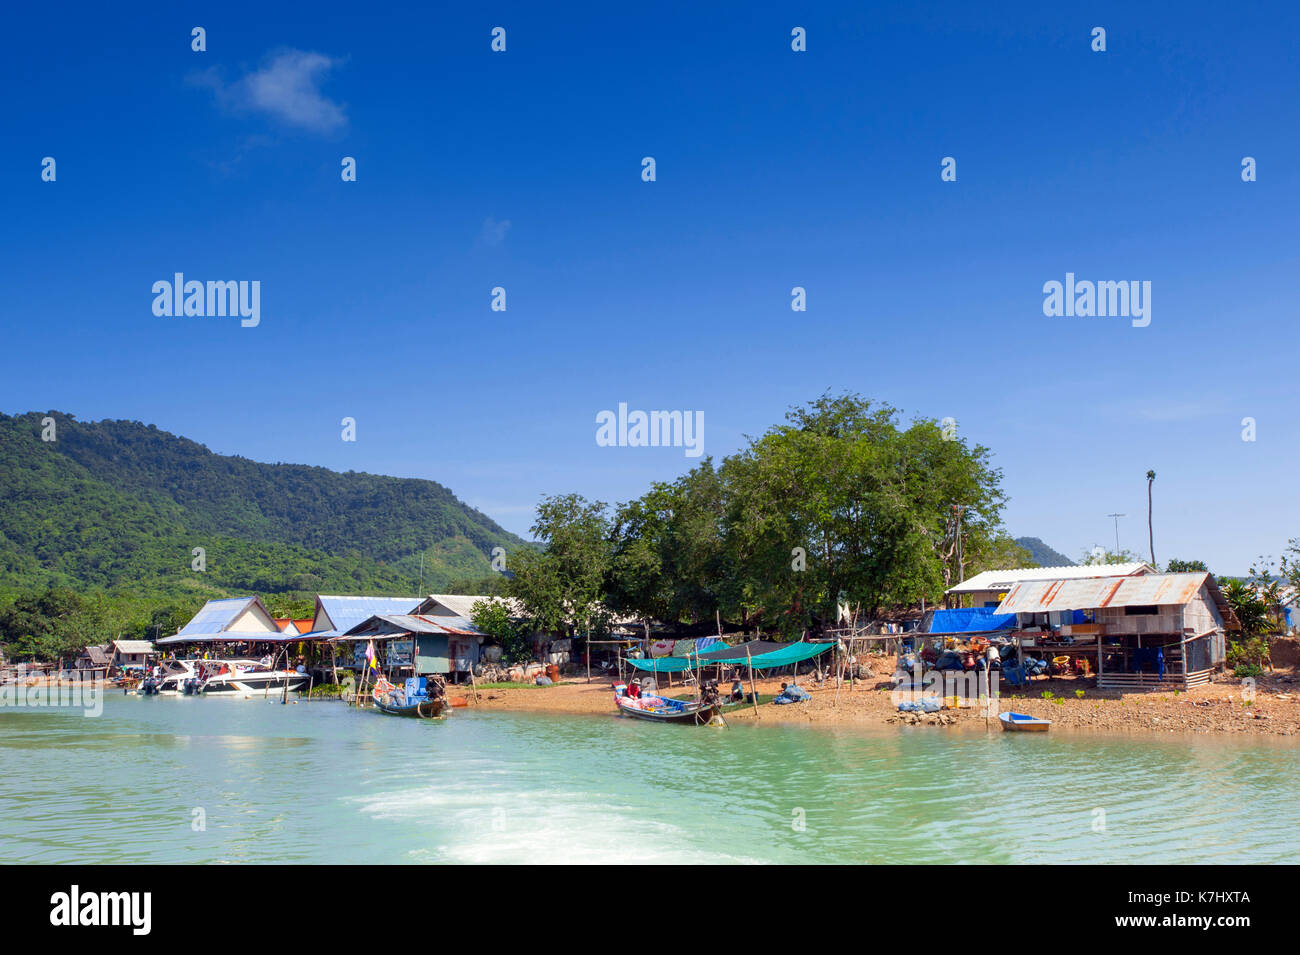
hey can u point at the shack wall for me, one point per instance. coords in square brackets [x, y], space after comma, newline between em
[1201, 613]
[432, 654]
[1116, 621]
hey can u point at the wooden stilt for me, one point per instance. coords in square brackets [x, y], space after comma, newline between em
[753, 688]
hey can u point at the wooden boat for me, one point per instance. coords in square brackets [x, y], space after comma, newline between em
[1020, 723]
[658, 709]
[424, 709]
[412, 700]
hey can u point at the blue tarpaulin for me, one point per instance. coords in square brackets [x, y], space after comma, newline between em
[970, 620]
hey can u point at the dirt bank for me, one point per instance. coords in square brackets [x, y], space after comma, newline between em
[1221, 707]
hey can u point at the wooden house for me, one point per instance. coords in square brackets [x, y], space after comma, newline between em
[418, 644]
[131, 653]
[1147, 631]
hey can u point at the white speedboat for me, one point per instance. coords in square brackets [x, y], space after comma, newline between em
[242, 678]
[170, 681]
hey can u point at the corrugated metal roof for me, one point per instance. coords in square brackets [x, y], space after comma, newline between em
[396, 624]
[133, 646]
[346, 612]
[1041, 596]
[216, 615]
[459, 604]
[213, 622]
[238, 636]
[1005, 579]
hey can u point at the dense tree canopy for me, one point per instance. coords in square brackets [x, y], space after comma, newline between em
[116, 503]
[98, 529]
[841, 504]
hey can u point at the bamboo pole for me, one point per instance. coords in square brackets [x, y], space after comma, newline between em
[284, 698]
[838, 663]
[988, 694]
[753, 688]
[472, 683]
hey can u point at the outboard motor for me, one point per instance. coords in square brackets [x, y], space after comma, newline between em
[149, 686]
[709, 693]
[191, 686]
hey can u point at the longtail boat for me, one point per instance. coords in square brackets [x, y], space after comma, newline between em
[659, 709]
[418, 698]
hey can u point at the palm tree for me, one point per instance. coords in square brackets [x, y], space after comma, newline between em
[1151, 540]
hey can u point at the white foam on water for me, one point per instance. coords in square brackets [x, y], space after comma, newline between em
[553, 827]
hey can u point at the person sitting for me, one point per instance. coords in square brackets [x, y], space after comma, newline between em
[737, 691]
[634, 689]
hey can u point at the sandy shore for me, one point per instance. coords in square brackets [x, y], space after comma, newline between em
[1221, 707]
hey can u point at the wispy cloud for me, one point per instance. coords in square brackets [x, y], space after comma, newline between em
[287, 87]
[494, 233]
[1166, 409]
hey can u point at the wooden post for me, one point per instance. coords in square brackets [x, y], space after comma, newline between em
[285, 697]
[835, 659]
[988, 693]
[753, 688]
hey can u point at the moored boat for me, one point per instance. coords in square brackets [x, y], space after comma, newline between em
[658, 709]
[1020, 723]
[242, 678]
[168, 678]
[421, 697]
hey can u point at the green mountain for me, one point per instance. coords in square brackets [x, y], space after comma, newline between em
[1043, 555]
[119, 505]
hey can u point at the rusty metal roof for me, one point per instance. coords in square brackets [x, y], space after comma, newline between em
[1006, 579]
[1041, 596]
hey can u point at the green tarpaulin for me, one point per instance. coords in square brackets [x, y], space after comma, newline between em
[793, 653]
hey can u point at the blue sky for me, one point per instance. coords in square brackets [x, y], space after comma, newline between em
[775, 169]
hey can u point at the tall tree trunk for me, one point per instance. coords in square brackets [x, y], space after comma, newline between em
[1151, 540]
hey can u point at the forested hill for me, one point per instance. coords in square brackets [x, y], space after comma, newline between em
[1043, 555]
[121, 504]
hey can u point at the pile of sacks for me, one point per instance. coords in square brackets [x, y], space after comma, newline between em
[926, 704]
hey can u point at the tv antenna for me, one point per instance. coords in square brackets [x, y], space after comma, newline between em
[1117, 517]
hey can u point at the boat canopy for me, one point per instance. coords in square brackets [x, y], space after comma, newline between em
[781, 657]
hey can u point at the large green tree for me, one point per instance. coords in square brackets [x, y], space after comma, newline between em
[560, 586]
[667, 550]
[840, 503]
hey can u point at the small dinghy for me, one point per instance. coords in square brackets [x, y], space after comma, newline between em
[1020, 723]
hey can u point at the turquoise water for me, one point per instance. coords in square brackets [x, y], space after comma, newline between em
[320, 782]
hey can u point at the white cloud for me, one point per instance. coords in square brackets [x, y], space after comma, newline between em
[494, 233]
[287, 88]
